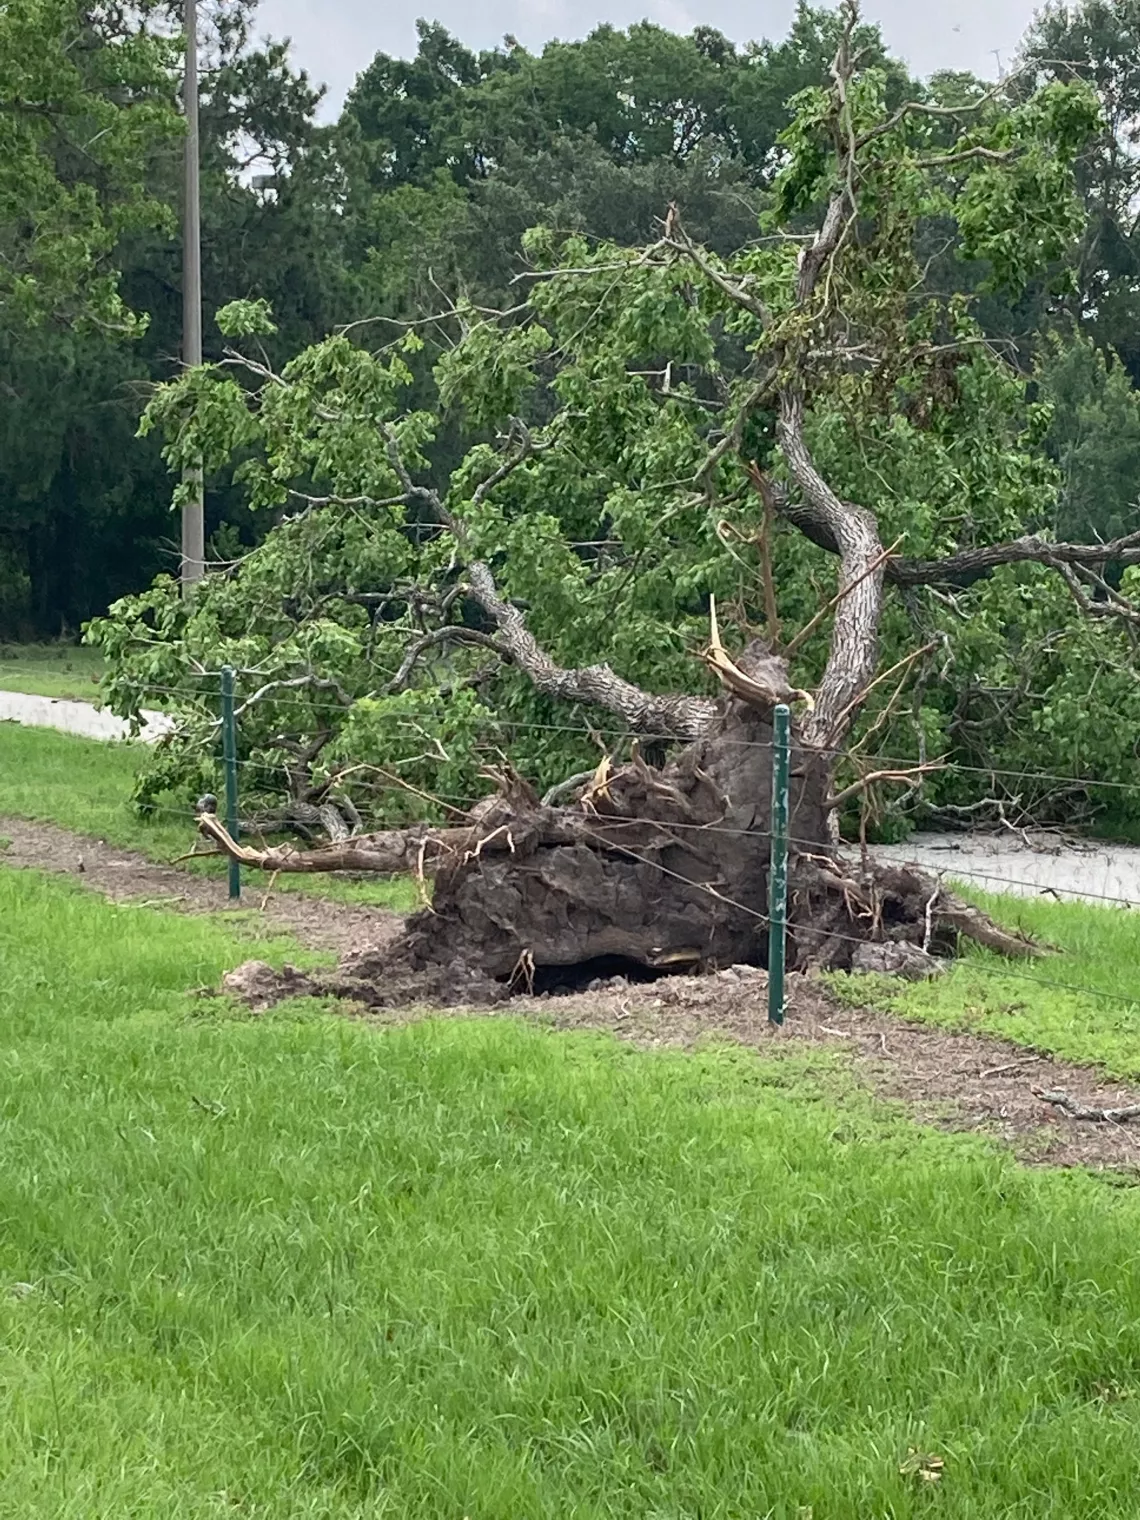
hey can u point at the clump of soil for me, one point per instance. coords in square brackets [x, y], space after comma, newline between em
[371, 980]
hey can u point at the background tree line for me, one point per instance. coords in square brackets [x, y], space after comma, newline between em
[419, 196]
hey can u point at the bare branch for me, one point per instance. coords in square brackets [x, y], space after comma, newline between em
[390, 852]
[319, 683]
[348, 501]
[813, 623]
[683, 717]
[451, 634]
[854, 635]
[1077, 1110]
[943, 113]
[736, 291]
[857, 788]
[598, 685]
[969, 155]
[970, 565]
[899, 665]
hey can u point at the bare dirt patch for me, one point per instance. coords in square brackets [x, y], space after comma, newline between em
[966, 1082]
[958, 1082]
[124, 876]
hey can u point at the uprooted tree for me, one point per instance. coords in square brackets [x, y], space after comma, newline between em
[665, 436]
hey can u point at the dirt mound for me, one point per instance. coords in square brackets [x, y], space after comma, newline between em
[371, 980]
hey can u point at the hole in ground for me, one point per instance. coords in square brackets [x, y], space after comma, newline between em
[557, 980]
[561, 981]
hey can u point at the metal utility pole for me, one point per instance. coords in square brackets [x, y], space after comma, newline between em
[193, 513]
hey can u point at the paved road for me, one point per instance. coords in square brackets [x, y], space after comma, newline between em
[76, 717]
[1053, 865]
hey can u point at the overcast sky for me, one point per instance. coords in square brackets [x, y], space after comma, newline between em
[335, 39]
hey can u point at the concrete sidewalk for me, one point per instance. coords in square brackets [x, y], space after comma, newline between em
[77, 717]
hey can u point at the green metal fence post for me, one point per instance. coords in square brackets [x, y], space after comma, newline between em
[778, 876]
[229, 756]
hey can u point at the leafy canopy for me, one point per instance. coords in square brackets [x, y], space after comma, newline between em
[617, 411]
[86, 95]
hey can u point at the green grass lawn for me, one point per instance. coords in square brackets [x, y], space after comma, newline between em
[1083, 1003]
[85, 785]
[292, 1266]
[51, 670]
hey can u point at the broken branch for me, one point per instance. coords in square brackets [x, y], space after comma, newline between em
[914, 773]
[1077, 1110]
[735, 680]
[809, 627]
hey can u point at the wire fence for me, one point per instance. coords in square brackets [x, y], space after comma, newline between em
[996, 880]
[511, 725]
[276, 771]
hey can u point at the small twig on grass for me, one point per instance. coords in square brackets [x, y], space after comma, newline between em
[209, 1106]
[153, 902]
[999, 1071]
[269, 890]
[1078, 1110]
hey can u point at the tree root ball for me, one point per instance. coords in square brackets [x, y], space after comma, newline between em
[651, 870]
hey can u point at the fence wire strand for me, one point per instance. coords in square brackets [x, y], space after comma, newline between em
[590, 734]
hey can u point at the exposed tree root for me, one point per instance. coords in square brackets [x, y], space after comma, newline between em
[656, 868]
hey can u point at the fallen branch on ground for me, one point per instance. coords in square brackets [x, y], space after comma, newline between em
[1086, 1111]
[392, 852]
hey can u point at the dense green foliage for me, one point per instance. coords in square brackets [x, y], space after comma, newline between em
[86, 108]
[294, 1266]
[418, 202]
[84, 97]
[618, 499]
